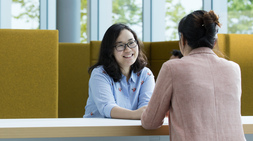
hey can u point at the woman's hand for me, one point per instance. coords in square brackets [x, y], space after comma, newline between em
[137, 113]
[118, 112]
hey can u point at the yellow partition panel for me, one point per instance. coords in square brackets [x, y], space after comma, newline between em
[160, 53]
[241, 52]
[94, 51]
[222, 46]
[74, 61]
[29, 73]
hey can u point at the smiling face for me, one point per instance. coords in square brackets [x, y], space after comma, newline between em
[127, 57]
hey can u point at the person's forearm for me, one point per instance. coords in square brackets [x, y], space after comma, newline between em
[118, 112]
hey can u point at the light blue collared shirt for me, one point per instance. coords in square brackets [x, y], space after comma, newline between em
[104, 93]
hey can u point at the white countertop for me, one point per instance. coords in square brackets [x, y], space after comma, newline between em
[69, 122]
[81, 122]
[85, 127]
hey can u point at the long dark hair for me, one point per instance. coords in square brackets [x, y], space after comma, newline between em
[106, 56]
[199, 28]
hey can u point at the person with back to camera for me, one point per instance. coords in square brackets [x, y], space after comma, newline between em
[176, 54]
[201, 91]
[120, 85]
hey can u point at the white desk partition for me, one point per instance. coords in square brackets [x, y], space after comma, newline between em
[85, 127]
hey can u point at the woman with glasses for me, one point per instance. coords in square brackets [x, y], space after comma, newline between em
[201, 91]
[120, 85]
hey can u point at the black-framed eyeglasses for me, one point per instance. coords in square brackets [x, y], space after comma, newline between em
[121, 46]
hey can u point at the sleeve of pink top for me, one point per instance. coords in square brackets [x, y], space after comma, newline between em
[159, 104]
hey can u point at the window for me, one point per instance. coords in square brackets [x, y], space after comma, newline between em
[83, 21]
[175, 11]
[240, 16]
[128, 12]
[25, 14]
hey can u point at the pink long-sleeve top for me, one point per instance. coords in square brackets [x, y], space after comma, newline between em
[202, 93]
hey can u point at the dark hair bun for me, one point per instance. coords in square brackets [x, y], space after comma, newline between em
[210, 17]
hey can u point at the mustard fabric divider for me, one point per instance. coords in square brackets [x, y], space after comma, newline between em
[74, 61]
[241, 52]
[160, 53]
[29, 73]
[222, 46]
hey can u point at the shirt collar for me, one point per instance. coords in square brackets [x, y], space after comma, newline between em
[133, 77]
[202, 50]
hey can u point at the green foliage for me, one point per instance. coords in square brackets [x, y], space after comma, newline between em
[126, 11]
[240, 19]
[240, 16]
[83, 21]
[31, 12]
[174, 13]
